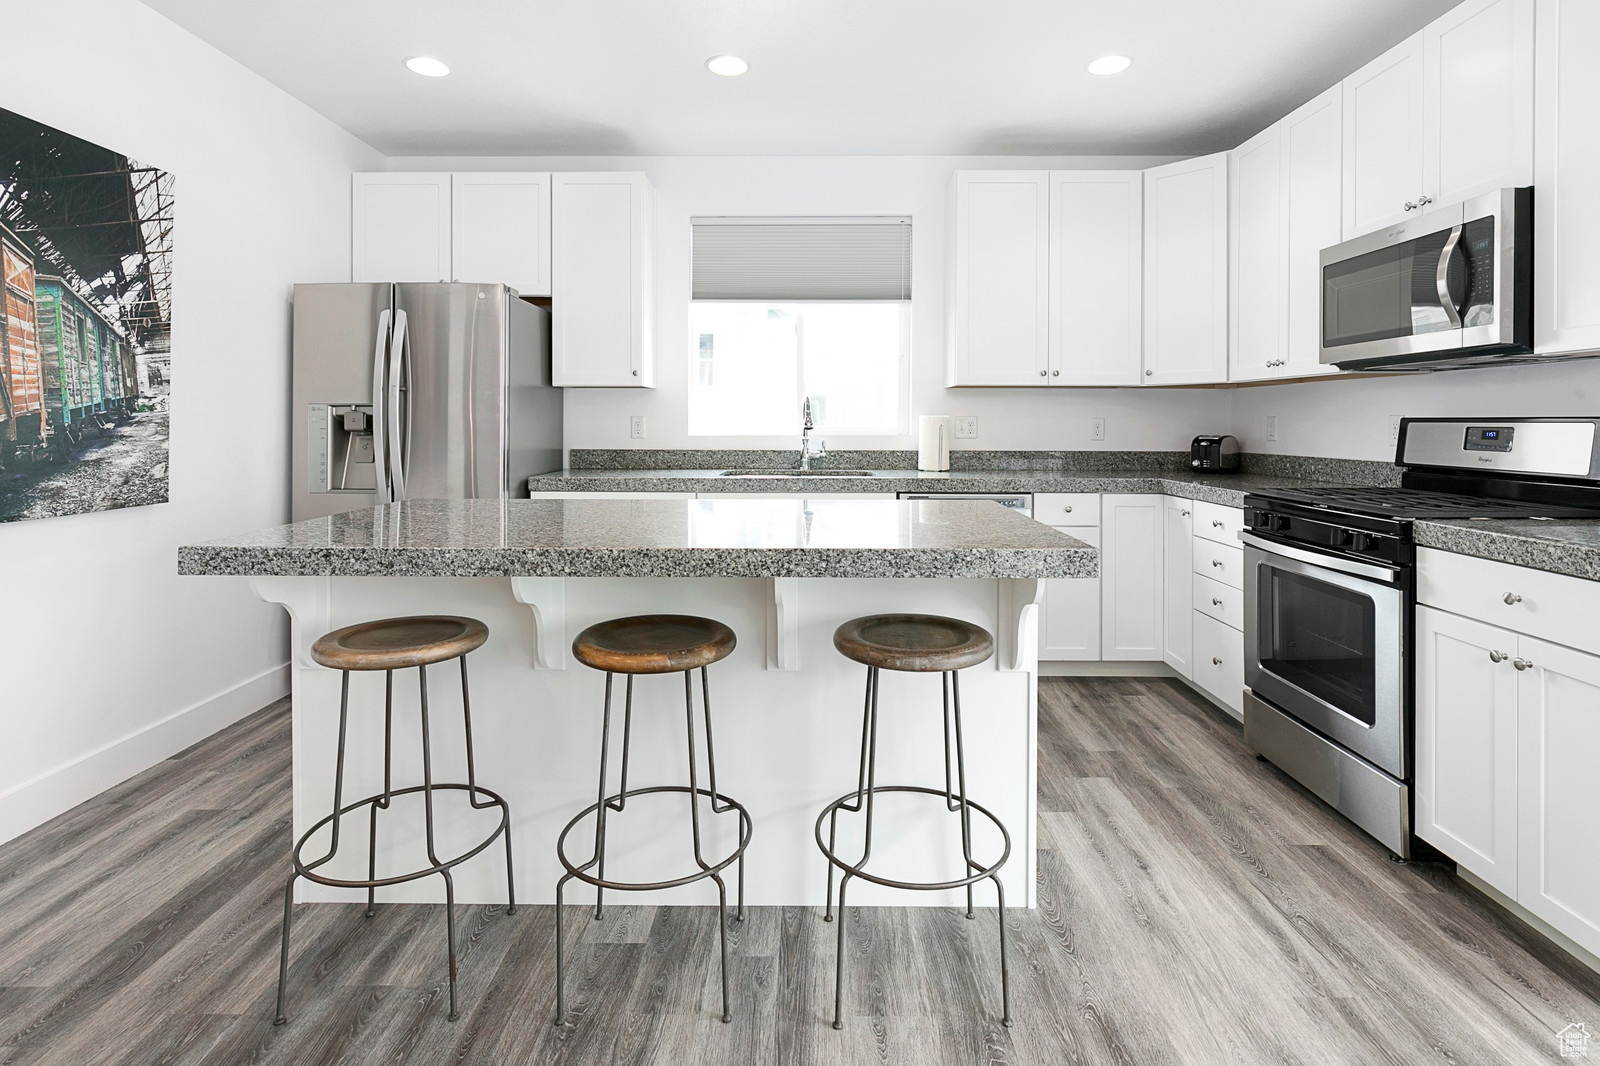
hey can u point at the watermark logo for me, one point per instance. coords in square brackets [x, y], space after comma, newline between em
[1573, 1041]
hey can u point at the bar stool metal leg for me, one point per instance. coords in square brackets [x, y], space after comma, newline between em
[599, 853]
[620, 801]
[472, 786]
[870, 791]
[694, 823]
[427, 808]
[966, 850]
[861, 783]
[711, 765]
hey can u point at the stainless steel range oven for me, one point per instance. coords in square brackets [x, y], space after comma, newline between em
[1329, 598]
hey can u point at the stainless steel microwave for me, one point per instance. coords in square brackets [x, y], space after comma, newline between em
[1450, 288]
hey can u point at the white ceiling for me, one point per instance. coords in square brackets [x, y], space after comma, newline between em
[847, 77]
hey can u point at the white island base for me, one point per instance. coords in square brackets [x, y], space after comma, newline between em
[786, 715]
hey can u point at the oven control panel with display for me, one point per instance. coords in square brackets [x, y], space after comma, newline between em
[1489, 438]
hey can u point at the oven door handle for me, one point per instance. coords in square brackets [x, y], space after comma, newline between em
[1328, 562]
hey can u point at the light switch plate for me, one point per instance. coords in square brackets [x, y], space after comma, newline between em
[966, 426]
[636, 427]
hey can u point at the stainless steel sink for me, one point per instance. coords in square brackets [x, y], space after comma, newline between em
[797, 473]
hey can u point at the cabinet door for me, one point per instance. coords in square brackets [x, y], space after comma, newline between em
[1096, 276]
[500, 230]
[1558, 873]
[1466, 730]
[1069, 616]
[1131, 611]
[1219, 662]
[1000, 285]
[400, 227]
[1256, 293]
[600, 318]
[1477, 63]
[1383, 138]
[1566, 302]
[1186, 272]
[1312, 139]
[1177, 627]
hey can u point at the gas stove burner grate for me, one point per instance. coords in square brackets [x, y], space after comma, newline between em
[1419, 503]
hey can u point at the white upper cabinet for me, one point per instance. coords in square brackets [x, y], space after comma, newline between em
[1445, 115]
[1256, 241]
[1311, 145]
[1096, 276]
[1186, 272]
[1566, 210]
[1477, 85]
[999, 301]
[601, 228]
[500, 230]
[1383, 138]
[400, 227]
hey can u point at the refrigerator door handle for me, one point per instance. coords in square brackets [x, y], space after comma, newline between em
[380, 440]
[391, 408]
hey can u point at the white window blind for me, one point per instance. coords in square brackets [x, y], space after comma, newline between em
[793, 259]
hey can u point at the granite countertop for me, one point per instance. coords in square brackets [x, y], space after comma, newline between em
[1568, 546]
[633, 537]
[1226, 489]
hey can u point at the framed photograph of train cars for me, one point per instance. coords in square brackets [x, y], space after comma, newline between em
[86, 329]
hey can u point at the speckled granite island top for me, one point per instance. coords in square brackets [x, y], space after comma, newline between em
[1229, 490]
[655, 538]
[1566, 546]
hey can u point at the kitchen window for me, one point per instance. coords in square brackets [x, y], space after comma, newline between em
[785, 308]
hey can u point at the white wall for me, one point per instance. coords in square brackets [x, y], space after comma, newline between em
[863, 185]
[1351, 419]
[110, 661]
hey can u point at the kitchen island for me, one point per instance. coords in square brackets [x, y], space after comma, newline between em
[783, 574]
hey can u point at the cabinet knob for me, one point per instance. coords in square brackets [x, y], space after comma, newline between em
[1055, 373]
[1044, 373]
[1522, 664]
[1215, 661]
[635, 373]
[1216, 523]
[1184, 514]
[1215, 602]
[1147, 373]
[1511, 599]
[1067, 508]
[1498, 656]
[1216, 562]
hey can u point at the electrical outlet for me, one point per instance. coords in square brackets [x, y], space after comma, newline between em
[636, 428]
[1272, 429]
[1097, 429]
[1394, 429]
[966, 426]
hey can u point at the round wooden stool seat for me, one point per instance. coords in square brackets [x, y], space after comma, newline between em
[653, 644]
[920, 643]
[396, 643]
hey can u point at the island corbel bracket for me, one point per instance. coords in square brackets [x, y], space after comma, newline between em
[309, 601]
[783, 624]
[546, 597]
[1019, 618]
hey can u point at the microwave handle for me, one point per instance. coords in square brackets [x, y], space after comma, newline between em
[1441, 276]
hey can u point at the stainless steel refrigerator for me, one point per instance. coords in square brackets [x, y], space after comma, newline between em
[414, 391]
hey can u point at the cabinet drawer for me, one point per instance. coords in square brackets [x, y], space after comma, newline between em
[1067, 508]
[1219, 661]
[1219, 562]
[1216, 522]
[1222, 602]
[1554, 607]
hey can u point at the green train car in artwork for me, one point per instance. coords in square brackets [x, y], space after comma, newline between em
[90, 379]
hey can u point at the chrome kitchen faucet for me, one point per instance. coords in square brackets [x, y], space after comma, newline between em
[806, 454]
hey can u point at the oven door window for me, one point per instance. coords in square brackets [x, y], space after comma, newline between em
[1322, 638]
[1388, 293]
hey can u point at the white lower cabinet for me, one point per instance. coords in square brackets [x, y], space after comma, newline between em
[1507, 729]
[1177, 633]
[1219, 662]
[1467, 744]
[1069, 615]
[1131, 593]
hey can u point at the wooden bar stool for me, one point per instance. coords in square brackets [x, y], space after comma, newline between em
[389, 645]
[914, 643]
[654, 644]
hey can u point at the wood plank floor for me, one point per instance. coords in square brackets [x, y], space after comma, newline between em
[1195, 906]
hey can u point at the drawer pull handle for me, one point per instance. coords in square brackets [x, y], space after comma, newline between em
[1511, 599]
[1522, 664]
[1216, 562]
[1215, 661]
[1215, 602]
[1498, 656]
[1215, 524]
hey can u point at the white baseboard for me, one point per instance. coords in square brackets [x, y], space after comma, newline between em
[35, 802]
[1108, 668]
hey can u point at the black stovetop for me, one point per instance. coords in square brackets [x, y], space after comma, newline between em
[1409, 504]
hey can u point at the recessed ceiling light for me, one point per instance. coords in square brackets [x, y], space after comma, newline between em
[427, 66]
[727, 66]
[1105, 66]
